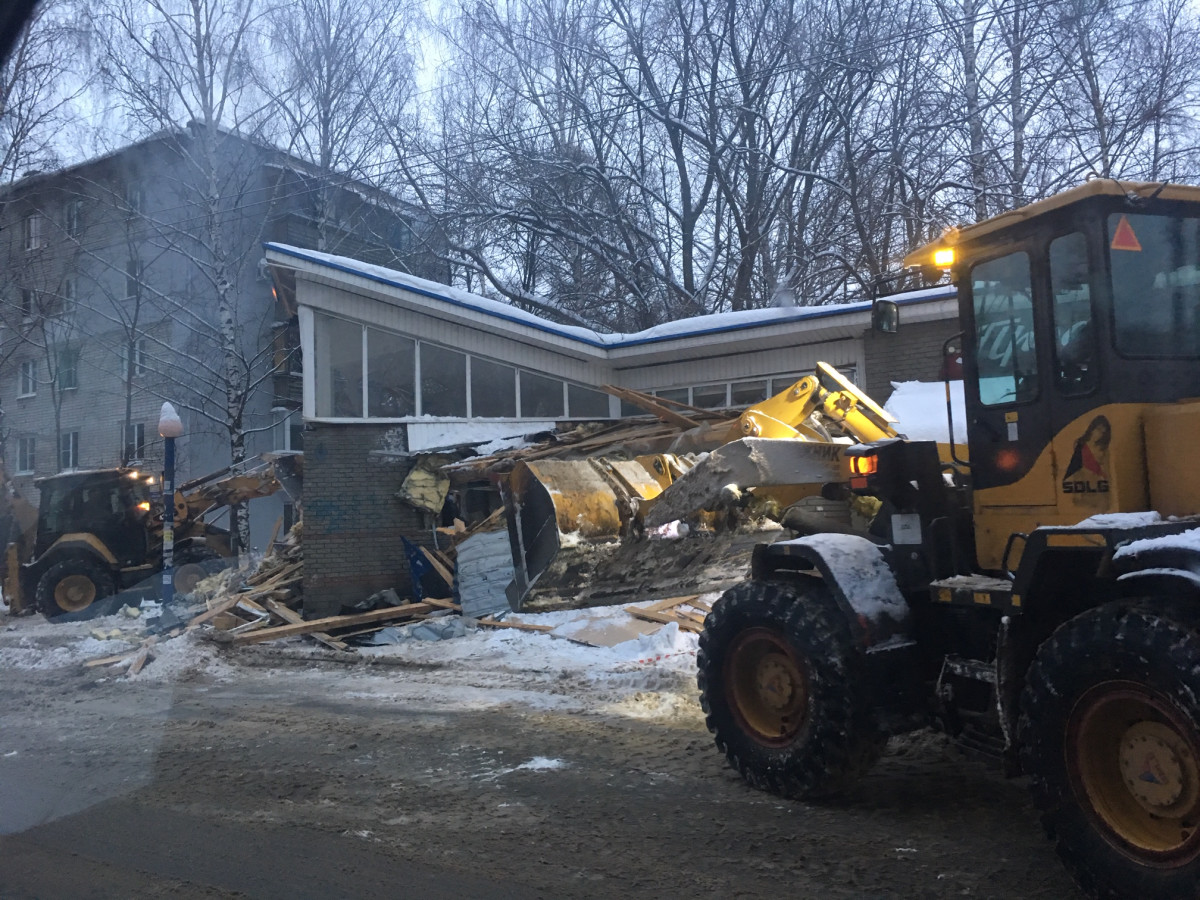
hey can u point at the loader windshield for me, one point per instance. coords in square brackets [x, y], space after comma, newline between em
[1156, 285]
[1003, 301]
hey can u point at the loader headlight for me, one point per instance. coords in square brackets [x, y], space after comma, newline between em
[144, 506]
[943, 258]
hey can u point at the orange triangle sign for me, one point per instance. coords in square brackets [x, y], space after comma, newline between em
[1124, 238]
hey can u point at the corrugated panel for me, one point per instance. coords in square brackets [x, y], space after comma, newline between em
[483, 569]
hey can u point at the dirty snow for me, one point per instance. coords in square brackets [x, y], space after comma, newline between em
[649, 676]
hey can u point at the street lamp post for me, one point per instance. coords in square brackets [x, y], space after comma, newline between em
[169, 427]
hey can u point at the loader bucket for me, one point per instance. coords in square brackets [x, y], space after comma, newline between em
[564, 512]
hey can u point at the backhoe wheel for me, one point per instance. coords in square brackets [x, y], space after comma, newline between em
[71, 586]
[784, 689]
[191, 567]
[1110, 728]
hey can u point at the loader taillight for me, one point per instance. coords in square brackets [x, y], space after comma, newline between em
[864, 465]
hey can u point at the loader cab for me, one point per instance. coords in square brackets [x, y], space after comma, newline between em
[1081, 320]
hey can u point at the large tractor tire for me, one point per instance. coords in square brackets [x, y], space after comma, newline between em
[784, 689]
[1110, 733]
[192, 565]
[72, 586]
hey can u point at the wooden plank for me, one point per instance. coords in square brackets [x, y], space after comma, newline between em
[664, 618]
[309, 626]
[274, 534]
[292, 618]
[650, 404]
[443, 604]
[224, 606]
[261, 579]
[140, 660]
[690, 616]
[669, 603]
[109, 660]
[522, 626]
[445, 574]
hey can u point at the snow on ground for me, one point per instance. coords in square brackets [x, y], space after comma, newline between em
[648, 676]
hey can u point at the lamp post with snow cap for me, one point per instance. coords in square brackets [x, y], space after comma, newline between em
[169, 427]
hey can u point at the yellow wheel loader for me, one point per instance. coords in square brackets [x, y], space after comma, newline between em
[584, 528]
[1039, 602]
[100, 531]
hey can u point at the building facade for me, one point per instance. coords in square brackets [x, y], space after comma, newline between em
[138, 278]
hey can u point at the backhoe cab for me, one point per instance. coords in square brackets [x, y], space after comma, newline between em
[100, 531]
[1040, 603]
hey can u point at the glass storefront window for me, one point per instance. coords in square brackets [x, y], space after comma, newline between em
[391, 380]
[493, 389]
[443, 382]
[541, 397]
[710, 396]
[585, 403]
[339, 367]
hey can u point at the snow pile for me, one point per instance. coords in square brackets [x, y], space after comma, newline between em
[920, 408]
[1187, 540]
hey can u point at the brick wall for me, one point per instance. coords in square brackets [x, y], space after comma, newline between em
[352, 520]
[912, 354]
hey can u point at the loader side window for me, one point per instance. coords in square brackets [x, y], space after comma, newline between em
[1074, 338]
[1155, 284]
[1005, 347]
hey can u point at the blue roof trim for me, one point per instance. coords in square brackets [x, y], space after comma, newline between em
[809, 312]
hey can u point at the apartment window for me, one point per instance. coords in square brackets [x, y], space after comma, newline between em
[28, 378]
[26, 304]
[68, 450]
[133, 277]
[134, 442]
[68, 295]
[32, 229]
[73, 218]
[133, 198]
[133, 363]
[68, 369]
[25, 455]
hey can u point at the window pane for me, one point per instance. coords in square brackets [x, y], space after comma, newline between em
[1074, 340]
[747, 392]
[782, 383]
[1156, 284]
[493, 389]
[391, 375]
[541, 396]
[585, 403]
[443, 382]
[679, 395]
[338, 367]
[1006, 350]
[709, 396]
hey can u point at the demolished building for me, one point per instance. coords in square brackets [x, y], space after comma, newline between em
[401, 374]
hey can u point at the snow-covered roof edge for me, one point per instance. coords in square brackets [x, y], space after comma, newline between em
[696, 326]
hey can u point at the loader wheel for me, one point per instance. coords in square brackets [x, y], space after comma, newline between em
[1111, 740]
[72, 585]
[784, 689]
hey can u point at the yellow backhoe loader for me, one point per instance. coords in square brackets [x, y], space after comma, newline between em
[99, 531]
[1041, 602]
[581, 529]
